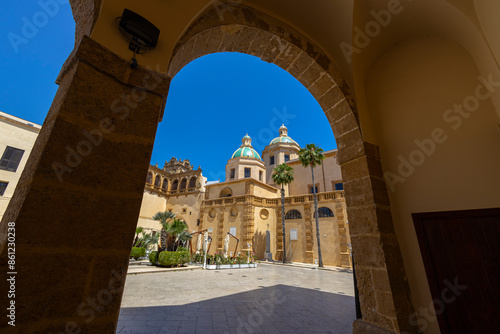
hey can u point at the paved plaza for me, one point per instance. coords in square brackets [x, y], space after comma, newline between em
[268, 299]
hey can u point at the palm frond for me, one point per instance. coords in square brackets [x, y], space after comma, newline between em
[282, 174]
[311, 155]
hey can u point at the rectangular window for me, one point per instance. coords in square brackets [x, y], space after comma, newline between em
[11, 159]
[232, 173]
[271, 160]
[287, 157]
[3, 186]
[311, 189]
[339, 186]
[247, 172]
[260, 175]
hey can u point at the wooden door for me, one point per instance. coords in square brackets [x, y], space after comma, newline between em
[461, 253]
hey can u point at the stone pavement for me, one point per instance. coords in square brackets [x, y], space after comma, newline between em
[268, 299]
[144, 267]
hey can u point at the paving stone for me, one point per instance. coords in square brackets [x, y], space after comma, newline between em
[273, 299]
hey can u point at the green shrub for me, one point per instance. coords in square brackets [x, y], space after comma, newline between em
[153, 257]
[172, 259]
[138, 252]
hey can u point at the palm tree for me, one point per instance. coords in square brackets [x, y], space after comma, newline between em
[283, 175]
[163, 218]
[312, 155]
[184, 237]
[174, 229]
[138, 230]
[146, 240]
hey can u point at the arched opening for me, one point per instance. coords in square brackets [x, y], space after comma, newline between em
[183, 184]
[293, 214]
[192, 183]
[164, 185]
[149, 179]
[226, 192]
[318, 73]
[157, 180]
[175, 185]
[324, 212]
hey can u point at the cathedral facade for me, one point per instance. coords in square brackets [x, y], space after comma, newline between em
[248, 204]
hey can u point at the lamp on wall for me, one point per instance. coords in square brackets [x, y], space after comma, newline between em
[141, 34]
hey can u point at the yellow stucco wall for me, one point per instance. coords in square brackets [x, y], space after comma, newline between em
[151, 204]
[323, 175]
[186, 207]
[437, 159]
[15, 132]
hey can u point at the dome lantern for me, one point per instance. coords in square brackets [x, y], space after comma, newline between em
[246, 149]
[283, 131]
[283, 138]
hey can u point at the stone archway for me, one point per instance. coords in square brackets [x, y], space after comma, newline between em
[226, 192]
[381, 279]
[62, 205]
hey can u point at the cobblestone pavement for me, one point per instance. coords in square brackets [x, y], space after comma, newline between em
[267, 299]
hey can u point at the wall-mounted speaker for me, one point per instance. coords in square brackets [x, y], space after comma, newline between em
[140, 30]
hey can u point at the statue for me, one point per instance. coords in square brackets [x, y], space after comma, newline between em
[226, 245]
[205, 242]
[199, 242]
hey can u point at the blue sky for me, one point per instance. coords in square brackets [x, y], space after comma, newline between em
[212, 103]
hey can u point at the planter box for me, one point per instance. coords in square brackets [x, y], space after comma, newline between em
[230, 266]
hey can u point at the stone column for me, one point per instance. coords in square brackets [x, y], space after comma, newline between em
[248, 224]
[384, 292]
[309, 254]
[220, 229]
[345, 257]
[279, 235]
[78, 199]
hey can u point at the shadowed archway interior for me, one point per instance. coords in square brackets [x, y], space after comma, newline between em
[62, 205]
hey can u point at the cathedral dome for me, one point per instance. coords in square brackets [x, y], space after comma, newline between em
[246, 152]
[283, 138]
[246, 149]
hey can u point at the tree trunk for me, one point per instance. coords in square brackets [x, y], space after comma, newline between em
[283, 220]
[317, 219]
[163, 240]
[171, 243]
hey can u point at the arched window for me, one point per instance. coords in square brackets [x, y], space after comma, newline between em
[149, 179]
[192, 182]
[158, 180]
[293, 214]
[226, 192]
[175, 184]
[183, 184]
[324, 212]
[165, 184]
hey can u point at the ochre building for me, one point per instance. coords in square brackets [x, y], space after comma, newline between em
[248, 204]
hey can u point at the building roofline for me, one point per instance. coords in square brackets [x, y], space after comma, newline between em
[19, 121]
[265, 185]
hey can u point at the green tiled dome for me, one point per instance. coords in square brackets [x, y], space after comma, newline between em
[283, 139]
[246, 152]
